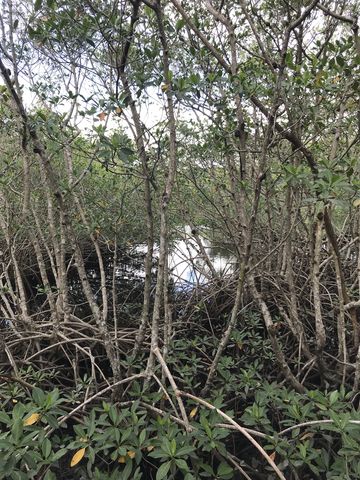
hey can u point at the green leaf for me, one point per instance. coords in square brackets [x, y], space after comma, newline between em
[90, 42]
[17, 430]
[173, 447]
[166, 446]
[18, 411]
[46, 448]
[189, 476]
[127, 471]
[158, 454]
[80, 432]
[91, 427]
[142, 437]
[125, 153]
[122, 451]
[179, 24]
[185, 450]
[207, 468]
[340, 61]
[37, 394]
[19, 476]
[4, 418]
[54, 396]
[5, 445]
[163, 470]
[51, 420]
[334, 396]
[182, 464]
[37, 5]
[224, 469]
[204, 422]
[59, 454]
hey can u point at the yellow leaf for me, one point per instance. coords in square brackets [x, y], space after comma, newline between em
[193, 412]
[102, 116]
[356, 202]
[32, 419]
[307, 435]
[122, 459]
[150, 448]
[77, 457]
[272, 456]
[118, 111]
[165, 87]
[14, 400]
[131, 453]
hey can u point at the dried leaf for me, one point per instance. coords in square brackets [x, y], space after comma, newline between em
[165, 87]
[102, 116]
[307, 435]
[193, 412]
[131, 454]
[122, 459]
[77, 457]
[356, 202]
[118, 111]
[32, 419]
[272, 456]
[150, 448]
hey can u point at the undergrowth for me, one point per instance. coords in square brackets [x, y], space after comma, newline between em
[79, 433]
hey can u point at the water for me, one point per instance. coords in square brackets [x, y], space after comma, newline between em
[188, 266]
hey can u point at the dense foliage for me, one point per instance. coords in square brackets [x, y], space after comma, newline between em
[52, 435]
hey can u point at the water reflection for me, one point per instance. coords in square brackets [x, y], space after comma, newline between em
[189, 259]
[194, 259]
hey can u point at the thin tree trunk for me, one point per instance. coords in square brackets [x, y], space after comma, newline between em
[166, 195]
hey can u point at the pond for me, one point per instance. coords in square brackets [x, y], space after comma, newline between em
[188, 264]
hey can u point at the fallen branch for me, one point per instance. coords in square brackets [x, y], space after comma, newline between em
[313, 422]
[239, 428]
[175, 388]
